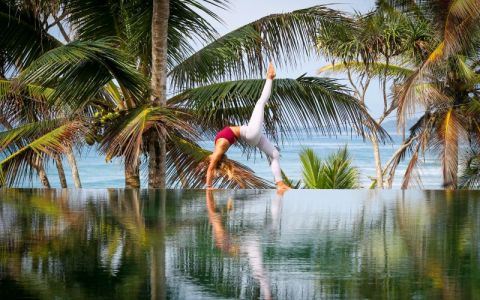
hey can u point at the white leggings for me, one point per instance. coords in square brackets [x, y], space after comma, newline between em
[252, 133]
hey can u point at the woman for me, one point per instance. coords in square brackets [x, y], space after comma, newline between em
[252, 134]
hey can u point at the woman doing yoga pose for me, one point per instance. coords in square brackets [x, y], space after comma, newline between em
[252, 134]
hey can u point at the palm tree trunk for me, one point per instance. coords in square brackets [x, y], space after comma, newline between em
[378, 161]
[42, 175]
[61, 171]
[156, 162]
[157, 148]
[73, 166]
[132, 176]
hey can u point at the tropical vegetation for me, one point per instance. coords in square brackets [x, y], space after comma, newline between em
[428, 51]
[103, 79]
[335, 172]
[444, 81]
[144, 82]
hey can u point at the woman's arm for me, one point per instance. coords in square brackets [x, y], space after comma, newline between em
[221, 147]
[211, 171]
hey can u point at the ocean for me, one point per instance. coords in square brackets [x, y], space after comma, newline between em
[96, 173]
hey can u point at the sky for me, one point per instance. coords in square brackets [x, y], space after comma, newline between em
[242, 12]
[245, 11]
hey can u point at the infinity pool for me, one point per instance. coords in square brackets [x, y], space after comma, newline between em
[174, 244]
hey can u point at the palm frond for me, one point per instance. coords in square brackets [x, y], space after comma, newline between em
[23, 104]
[289, 182]
[416, 144]
[411, 167]
[34, 141]
[23, 37]
[419, 89]
[312, 167]
[460, 25]
[187, 165]
[470, 176]
[335, 172]
[376, 68]
[307, 103]
[450, 131]
[458, 22]
[81, 69]
[132, 20]
[91, 20]
[9, 87]
[125, 136]
[188, 22]
[284, 38]
[27, 132]
[338, 172]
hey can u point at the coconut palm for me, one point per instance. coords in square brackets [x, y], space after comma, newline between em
[104, 70]
[435, 71]
[372, 46]
[199, 76]
[444, 82]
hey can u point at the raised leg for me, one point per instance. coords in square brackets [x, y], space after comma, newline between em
[253, 131]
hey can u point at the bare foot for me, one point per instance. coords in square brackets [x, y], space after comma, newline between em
[282, 188]
[271, 71]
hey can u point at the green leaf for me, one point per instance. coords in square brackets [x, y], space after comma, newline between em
[81, 69]
[286, 38]
[376, 68]
[127, 135]
[132, 20]
[335, 172]
[312, 166]
[307, 103]
[22, 36]
[33, 141]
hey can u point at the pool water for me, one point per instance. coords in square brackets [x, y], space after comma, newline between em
[245, 244]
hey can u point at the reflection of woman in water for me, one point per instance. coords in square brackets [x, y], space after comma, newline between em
[249, 246]
[252, 134]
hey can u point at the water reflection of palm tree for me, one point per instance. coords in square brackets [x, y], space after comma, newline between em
[79, 238]
[250, 246]
[435, 243]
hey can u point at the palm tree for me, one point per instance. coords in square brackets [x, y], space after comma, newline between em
[444, 82]
[369, 45]
[104, 69]
[335, 172]
[434, 67]
[28, 49]
[157, 150]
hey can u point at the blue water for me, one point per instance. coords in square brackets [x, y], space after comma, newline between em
[96, 173]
